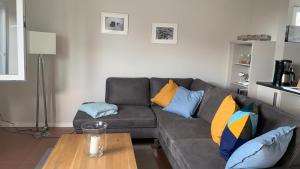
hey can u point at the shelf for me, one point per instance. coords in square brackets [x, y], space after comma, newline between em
[241, 64]
[250, 42]
[238, 42]
[290, 42]
[241, 84]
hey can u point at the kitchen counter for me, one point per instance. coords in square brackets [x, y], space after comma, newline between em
[270, 85]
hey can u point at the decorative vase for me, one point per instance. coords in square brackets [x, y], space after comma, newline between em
[95, 138]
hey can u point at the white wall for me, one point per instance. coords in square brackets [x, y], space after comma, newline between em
[86, 57]
[286, 101]
[271, 17]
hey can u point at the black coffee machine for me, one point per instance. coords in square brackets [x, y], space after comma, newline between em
[284, 74]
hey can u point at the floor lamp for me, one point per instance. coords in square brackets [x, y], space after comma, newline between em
[41, 43]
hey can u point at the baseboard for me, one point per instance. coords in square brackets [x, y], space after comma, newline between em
[22, 124]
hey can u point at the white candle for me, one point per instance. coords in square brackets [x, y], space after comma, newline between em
[94, 145]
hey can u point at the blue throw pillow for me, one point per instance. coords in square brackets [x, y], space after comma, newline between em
[185, 102]
[99, 109]
[263, 151]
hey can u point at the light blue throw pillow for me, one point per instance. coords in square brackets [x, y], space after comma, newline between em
[99, 109]
[185, 102]
[263, 151]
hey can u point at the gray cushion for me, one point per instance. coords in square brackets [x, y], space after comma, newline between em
[128, 91]
[201, 85]
[173, 127]
[157, 83]
[271, 118]
[128, 117]
[292, 155]
[211, 103]
[197, 154]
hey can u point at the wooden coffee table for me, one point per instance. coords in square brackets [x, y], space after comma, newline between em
[69, 153]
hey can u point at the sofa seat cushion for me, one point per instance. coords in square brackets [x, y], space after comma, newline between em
[128, 117]
[197, 154]
[173, 127]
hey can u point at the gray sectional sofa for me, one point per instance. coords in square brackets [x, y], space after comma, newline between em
[186, 142]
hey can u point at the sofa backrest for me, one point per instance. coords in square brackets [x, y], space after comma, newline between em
[138, 91]
[271, 118]
[201, 85]
[211, 102]
[157, 83]
[129, 91]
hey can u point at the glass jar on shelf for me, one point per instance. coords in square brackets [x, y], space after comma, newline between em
[245, 59]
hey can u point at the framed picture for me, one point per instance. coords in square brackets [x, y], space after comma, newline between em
[114, 23]
[165, 33]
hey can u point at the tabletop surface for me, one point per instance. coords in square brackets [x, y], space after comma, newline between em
[69, 153]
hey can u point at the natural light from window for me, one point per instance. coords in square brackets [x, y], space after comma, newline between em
[297, 22]
[296, 16]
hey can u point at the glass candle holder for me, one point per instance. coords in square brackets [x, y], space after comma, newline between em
[94, 137]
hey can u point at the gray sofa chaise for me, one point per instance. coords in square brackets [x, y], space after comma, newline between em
[186, 142]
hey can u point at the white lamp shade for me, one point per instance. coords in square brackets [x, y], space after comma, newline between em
[41, 43]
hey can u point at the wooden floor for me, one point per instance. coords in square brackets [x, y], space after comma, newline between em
[23, 151]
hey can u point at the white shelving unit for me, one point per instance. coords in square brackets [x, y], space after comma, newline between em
[260, 67]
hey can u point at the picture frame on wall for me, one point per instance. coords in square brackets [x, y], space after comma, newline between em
[164, 33]
[114, 23]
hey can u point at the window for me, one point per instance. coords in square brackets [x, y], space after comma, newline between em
[3, 48]
[296, 16]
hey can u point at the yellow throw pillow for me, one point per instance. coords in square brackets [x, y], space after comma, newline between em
[165, 95]
[222, 116]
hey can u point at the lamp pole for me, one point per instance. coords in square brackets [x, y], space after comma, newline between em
[40, 67]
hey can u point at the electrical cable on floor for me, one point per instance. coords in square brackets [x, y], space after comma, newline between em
[30, 131]
[16, 130]
[5, 121]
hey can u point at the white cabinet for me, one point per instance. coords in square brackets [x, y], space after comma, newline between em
[269, 95]
[290, 103]
[252, 58]
[284, 100]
